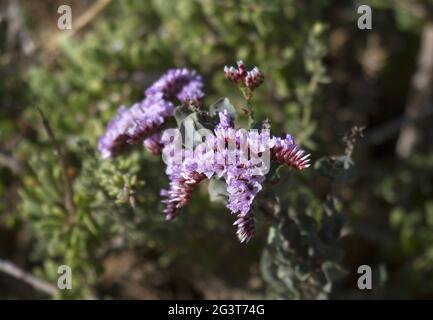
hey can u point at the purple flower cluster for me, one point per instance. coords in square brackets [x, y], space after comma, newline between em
[240, 158]
[145, 118]
[114, 140]
[286, 151]
[182, 183]
[250, 79]
[254, 78]
[239, 165]
[153, 144]
[243, 186]
[181, 84]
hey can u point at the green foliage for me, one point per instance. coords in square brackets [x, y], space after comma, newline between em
[385, 202]
[129, 47]
[303, 256]
[412, 219]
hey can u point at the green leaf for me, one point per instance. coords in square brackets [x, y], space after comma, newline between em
[221, 105]
[218, 191]
[191, 124]
[90, 224]
[180, 113]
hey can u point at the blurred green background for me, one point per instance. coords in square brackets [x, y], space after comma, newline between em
[324, 78]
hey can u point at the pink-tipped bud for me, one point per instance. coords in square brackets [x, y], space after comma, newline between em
[250, 79]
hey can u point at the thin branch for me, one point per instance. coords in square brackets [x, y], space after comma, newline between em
[10, 163]
[350, 138]
[82, 21]
[67, 183]
[420, 94]
[20, 274]
[388, 130]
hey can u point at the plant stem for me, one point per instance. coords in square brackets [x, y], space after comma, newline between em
[250, 113]
[67, 183]
[36, 283]
[249, 110]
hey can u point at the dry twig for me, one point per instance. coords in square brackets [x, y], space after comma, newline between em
[67, 183]
[82, 21]
[10, 163]
[20, 274]
[419, 95]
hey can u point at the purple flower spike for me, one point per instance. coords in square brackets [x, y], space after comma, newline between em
[226, 120]
[181, 84]
[143, 119]
[153, 144]
[182, 184]
[148, 117]
[242, 187]
[131, 126]
[192, 92]
[286, 151]
[246, 226]
[114, 140]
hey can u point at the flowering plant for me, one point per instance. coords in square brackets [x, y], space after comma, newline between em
[211, 147]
